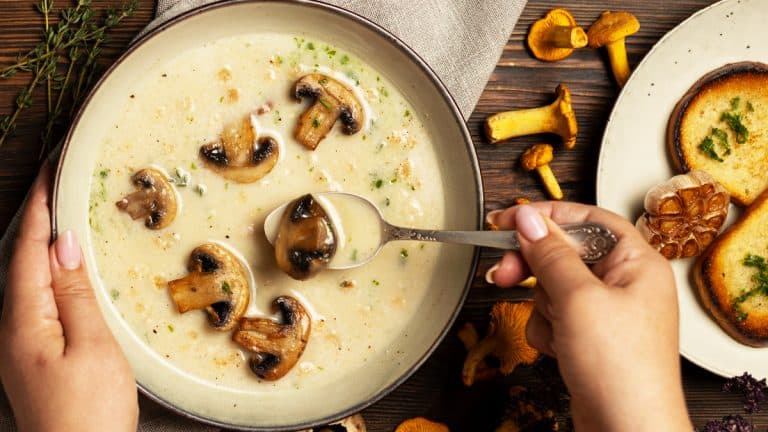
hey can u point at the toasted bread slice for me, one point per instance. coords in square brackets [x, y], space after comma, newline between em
[743, 171]
[722, 277]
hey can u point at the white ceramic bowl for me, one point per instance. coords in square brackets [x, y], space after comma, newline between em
[460, 175]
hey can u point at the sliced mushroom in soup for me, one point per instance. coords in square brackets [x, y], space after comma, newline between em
[242, 154]
[306, 240]
[217, 282]
[154, 200]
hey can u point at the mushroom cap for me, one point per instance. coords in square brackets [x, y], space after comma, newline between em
[277, 345]
[539, 40]
[508, 322]
[155, 199]
[217, 282]
[241, 154]
[567, 126]
[612, 27]
[536, 156]
[306, 240]
[332, 101]
[504, 340]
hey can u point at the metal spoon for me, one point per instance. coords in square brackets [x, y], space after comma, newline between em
[594, 240]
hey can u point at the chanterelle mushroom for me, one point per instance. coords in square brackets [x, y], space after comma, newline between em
[241, 155]
[538, 158]
[305, 240]
[155, 200]
[555, 36]
[218, 282]
[684, 214]
[331, 100]
[557, 117]
[505, 340]
[609, 31]
[277, 345]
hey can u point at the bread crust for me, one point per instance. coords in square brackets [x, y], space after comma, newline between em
[732, 72]
[713, 290]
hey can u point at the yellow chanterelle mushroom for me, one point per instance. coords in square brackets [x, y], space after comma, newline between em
[609, 31]
[538, 158]
[555, 36]
[557, 118]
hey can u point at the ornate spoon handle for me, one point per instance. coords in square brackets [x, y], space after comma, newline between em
[595, 241]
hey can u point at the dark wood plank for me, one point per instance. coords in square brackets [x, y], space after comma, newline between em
[519, 81]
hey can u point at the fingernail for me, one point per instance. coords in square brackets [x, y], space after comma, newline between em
[68, 251]
[489, 274]
[490, 218]
[530, 224]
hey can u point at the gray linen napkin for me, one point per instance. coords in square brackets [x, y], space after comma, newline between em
[460, 39]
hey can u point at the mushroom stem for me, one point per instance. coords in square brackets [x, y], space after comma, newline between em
[568, 37]
[550, 182]
[196, 291]
[617, 54]
[512, 124]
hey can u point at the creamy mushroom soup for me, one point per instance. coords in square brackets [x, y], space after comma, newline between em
[185, 103]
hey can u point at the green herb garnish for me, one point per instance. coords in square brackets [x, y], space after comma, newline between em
[226, 288]
[315, 123]
[170, 328]
[404, 254]
[64, 62]
[344, 59]
[114, 294]
[734, 122]
[722, 140]
[376, 282]
[735, 103]
[324, 102]
[760, 280]
[378, 183]
[708, 147]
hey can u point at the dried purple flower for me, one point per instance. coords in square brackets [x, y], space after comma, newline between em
[755, 392]
[729, 424]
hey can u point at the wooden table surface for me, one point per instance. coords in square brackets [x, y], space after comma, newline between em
[518, 81]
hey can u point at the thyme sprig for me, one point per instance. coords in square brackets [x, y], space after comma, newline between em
[64, 62]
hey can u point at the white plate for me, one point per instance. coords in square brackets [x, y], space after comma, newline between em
[633, 156]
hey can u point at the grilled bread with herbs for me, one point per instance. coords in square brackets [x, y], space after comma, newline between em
[732, 276]
[721, 126]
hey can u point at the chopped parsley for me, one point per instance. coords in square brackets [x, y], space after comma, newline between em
[170, 328]
[378, 183]
[403, 254]
[310, 46]
[324, 102]
[353, 257]
[750, 108]
[722, 140]
[760, 280]
[344, 59]
[315, 123]
[735, 103]
[734, 122]
[407, 113]
[114, 294]
[226, 288]
[104, 173]
[376, 282]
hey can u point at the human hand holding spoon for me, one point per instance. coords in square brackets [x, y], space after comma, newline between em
[345, 231]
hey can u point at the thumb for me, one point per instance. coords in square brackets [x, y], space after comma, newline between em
[552, 258]
[79, 313]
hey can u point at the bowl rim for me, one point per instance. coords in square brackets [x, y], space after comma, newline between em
[447, 98]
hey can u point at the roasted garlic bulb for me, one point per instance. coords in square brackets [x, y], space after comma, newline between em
[684, 214]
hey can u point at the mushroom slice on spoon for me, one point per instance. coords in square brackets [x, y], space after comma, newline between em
[217, 282]
[241, 154]
[277, 345]
[331, 100]
[305, 241]
[155, 200]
